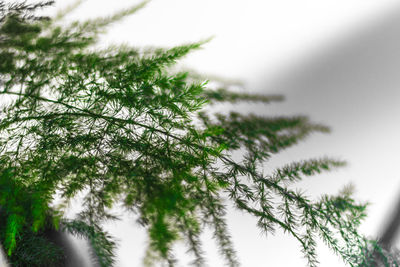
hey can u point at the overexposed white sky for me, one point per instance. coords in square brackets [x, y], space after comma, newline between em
[324, 57]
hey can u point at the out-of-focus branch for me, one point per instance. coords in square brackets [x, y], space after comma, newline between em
[387, 239]
[389, 233]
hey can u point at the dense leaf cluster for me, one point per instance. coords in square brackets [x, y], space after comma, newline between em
[117, 126]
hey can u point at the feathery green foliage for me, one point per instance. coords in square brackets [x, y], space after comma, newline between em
[119, 127]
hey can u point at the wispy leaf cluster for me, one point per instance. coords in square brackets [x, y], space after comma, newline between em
[118, 126]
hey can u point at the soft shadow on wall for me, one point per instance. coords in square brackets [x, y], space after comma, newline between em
[353, 86]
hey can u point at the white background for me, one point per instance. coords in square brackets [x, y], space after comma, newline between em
[334, 60]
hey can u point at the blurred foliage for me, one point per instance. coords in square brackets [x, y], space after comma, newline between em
[118, 126]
